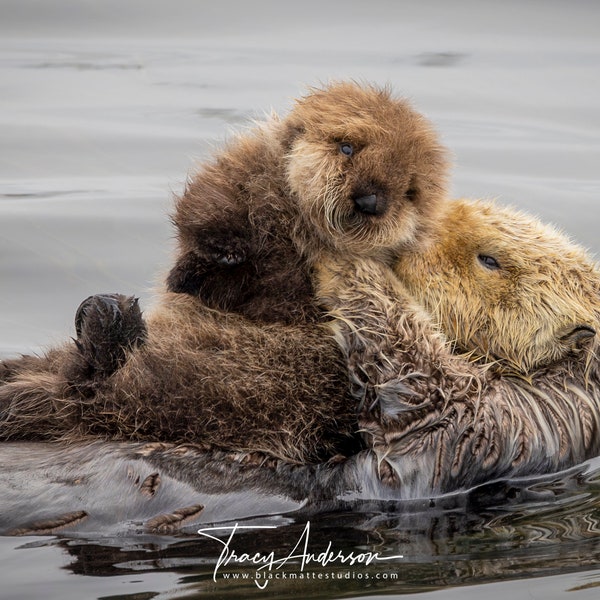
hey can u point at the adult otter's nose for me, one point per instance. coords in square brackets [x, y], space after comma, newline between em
[366, 204]
[584, 331]
[580, 334]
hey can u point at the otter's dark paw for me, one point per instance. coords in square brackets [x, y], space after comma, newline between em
[226, 248]
[220, 253]
[230, 257]
[107, 326]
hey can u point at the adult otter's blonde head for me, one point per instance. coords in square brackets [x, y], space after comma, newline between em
[367, 171]
[506, 287]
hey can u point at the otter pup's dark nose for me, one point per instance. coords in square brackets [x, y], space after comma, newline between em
[367, 204]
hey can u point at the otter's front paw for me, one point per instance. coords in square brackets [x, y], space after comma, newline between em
[107, 326]
[191, 269]
[224, 247]
[229, 254]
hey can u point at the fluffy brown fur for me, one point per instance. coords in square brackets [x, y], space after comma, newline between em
[523, 302]
[202, 376]
[434, 418]
[505, 286]
[350, 168]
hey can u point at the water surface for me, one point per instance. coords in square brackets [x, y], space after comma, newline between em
[104, 107]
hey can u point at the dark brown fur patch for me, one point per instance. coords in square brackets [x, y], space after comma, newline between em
[206, 378]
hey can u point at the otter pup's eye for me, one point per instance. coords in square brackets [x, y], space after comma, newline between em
[346, 149]
[489, 262]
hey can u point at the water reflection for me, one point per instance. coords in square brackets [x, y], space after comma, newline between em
[498, 531]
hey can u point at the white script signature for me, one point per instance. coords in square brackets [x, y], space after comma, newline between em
[299, 552]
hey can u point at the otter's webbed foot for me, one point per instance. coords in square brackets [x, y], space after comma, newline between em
[107, 326]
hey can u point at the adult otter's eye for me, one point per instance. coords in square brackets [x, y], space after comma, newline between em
[489, 262]
[411, 194]
[346, 149]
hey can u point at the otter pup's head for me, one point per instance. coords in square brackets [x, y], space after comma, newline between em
[367, 171]
[506, 287]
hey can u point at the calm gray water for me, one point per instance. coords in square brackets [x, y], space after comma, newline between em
[104, 106]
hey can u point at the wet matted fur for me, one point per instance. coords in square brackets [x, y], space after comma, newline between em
[512, 388]
[438, 410]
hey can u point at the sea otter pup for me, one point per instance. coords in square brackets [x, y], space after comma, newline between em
[441, 408]
[512, 385]
[350, 169]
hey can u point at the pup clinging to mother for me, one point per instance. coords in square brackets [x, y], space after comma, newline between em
[350, 169]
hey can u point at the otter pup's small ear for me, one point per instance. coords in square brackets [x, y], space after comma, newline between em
[291, 131]
[579, 336]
